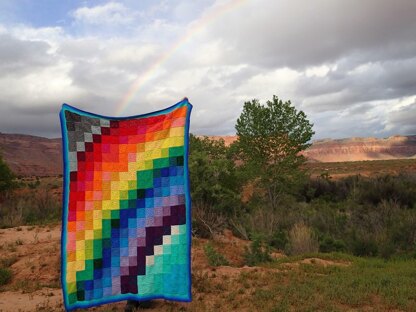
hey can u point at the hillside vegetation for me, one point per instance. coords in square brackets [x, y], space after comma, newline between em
[270, 231]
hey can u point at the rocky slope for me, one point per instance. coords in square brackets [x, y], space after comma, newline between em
[30, 155]
[357, 149]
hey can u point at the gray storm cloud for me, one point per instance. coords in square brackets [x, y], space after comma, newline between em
[349, 64]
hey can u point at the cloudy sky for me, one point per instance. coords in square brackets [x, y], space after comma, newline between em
[350, 65]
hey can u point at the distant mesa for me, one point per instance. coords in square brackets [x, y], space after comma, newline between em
[29, 155]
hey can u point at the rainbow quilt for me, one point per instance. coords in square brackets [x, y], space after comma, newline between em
[126, 230]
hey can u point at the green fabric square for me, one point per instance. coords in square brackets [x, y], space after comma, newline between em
[144, 179]
[115, 214]
[176, 151]
[124, 204]
[132, 194]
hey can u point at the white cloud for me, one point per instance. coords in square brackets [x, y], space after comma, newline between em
[109, 13]
[349, 65]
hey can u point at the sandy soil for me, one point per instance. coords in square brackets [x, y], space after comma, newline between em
[33, 254]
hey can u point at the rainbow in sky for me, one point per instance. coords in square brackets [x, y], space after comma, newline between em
[150, 71]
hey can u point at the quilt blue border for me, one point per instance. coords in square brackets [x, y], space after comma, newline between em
[65, 200]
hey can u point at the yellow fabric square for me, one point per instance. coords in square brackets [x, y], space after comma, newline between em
[148, 164]
[80, 255]
[71, 266]
[115, 194]
[89, 234]
[114, 204]
[97, 224]
[164, 152]
[80, 245]
[71, 277]
[124, 195]
[80, 265]
[132, 184]
[97, 214]
[106, 214]
[72, 287]
[123, 185]
[176, 132]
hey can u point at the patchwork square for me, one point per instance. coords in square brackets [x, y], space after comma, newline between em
[126, 230]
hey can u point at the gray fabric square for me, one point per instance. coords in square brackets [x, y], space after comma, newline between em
[104, 123]
[84, 127]
[96, 129]
[95, 122]
[79, 136]
[72, 156]
[87, 137]
[80, 147]
[73, 166]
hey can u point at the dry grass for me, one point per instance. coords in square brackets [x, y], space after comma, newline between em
[302, 240]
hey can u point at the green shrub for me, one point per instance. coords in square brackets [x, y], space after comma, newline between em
[279, 240]
[329, 244]
[5, 276]
[258, 252]
[6, 176]
[363, 247]
[214, 257]
[35, 207]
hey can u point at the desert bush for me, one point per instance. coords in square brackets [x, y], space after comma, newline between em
[32, 207]
[214, 257]
[330, 244]
[279, 239]
[5, 276]
[364, 246]
[206, 223]
[6, 177]
[302, 240]
[399, 188]
[45, 208]
[258, 252]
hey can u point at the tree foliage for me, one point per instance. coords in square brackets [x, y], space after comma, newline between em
[270, 139]
[212, 175]
[6, 176]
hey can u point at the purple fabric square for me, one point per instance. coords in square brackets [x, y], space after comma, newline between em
[158, 221]
[124, 261]
[141, 241]
[141, 232]
[166, 211]
[116, 290]
[133, 249]
[173, 200]
[132, 261]
[150, 222]
[115, 282]
[158, 211]
[166, 201]
[124, 271]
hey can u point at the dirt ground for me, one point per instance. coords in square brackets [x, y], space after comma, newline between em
[33, 255]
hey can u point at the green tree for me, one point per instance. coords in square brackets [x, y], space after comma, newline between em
[214, 187]
[212, 174]
[271, 138]
[6, 176]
